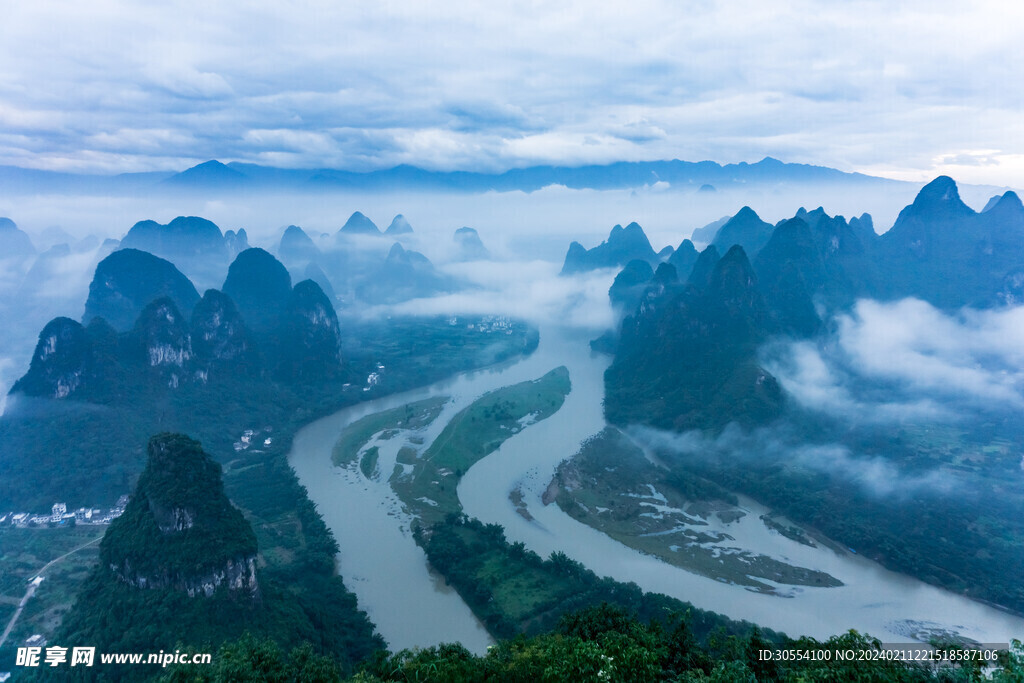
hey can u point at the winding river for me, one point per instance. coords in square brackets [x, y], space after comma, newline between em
[413, 607]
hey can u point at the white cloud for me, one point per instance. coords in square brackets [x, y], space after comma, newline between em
[976, 355]
[857, 85]
[905, 360]
[530, 290]
[189, 83]
[824, 386]
[67, 277]
[875, 475]
[7, 378]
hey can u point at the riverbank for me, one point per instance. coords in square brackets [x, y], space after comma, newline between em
[364, 513]
[611, 486]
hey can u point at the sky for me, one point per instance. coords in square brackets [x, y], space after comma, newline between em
[907, 90]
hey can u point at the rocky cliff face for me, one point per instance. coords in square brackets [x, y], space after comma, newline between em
[62, 363]
[179, 531]
[220, 338]
[237, 575]
[164, 341]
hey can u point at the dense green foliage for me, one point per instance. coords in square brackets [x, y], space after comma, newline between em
[49, 446]
[513, 590]
[88, 451]
[419, 351]
[688, 358]
[943, 252]
[252, 659]
[601, 643]
[69, 553]
[475, 432]
[482, 427]
[179, 522]
[685, 360]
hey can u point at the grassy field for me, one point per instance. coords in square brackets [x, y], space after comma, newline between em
[410, 416]
[23, 553]
[473, 433]
[612, 487]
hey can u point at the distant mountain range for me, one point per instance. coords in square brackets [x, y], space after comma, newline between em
[213, 176]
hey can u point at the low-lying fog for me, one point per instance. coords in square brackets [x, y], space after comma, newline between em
[885, 365]
[527, 234]
[540, 223]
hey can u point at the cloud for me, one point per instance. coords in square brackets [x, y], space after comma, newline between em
[972, 158]
[873, 474]
[66, 278]
[12, 271]
[974, 355]
[530, 290]
[906, 360]
[187, 82]
[825, 387]
[7, 378]
[856, 85]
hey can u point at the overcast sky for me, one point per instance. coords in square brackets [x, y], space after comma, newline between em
[907, 89]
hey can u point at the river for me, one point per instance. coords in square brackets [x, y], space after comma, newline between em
[411, 606]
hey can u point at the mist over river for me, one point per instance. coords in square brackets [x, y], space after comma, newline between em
[411, 606]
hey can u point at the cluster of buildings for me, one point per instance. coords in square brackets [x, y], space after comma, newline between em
[252, 437]
[373, 379]
[60, 516]
[488, 323]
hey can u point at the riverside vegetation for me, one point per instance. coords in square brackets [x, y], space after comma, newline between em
[602, 643]
[86, 445]
[702, 338]
[611, 486]
[688, 356]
